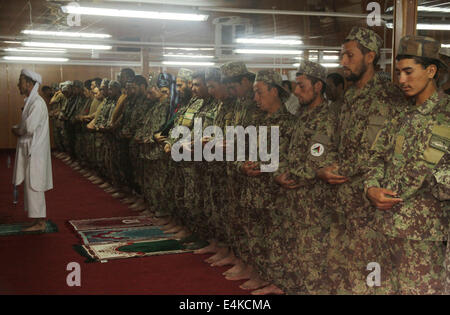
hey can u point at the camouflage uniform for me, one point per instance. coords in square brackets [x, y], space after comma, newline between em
[302, 216]
[81, 138]
[143, 105]
[353, 241]
[411, 157]
[244, 114]
[58, 100]
[155, 159]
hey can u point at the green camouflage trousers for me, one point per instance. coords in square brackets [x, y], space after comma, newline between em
[418, 266]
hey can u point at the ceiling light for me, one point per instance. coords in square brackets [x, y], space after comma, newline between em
[187, 48]
[65, 34]
[268, 51]
[420, 26]
[445, 45]
[328, 65]
[133, 13]
[188, 56]
[433, 9]
[269, 41]
[70, 46]
[19, 58]
[186, 63]
[26, 50]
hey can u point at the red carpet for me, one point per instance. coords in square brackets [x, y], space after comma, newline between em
[36, 264]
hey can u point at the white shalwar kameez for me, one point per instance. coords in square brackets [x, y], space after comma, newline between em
[33, 158]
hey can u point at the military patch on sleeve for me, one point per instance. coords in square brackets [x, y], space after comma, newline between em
[317, 149]
[440, 138]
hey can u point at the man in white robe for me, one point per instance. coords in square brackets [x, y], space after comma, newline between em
[33, 160]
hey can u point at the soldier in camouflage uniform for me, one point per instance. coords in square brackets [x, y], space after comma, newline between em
[134, 131]
[259, 191]
[97, 137]
[239, 82]
[214, 174]
[155, 176]
[368, 104]
[186, 197]
[58, 102]
[409, 176]
[302, 215]
[184, 86]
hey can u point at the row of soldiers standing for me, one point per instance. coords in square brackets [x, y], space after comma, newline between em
[357, 205]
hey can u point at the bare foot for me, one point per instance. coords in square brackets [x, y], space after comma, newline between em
[270, 289]
[211, 248]
[228, 260]
[245, 274]
[236, 269]
[38, 226]
[254, 284]
[221, 254]
[182, 234]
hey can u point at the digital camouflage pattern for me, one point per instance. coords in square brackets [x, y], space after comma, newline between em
[313, 69]
[366, 38]
[185, 74]
[420, 46]
[411, 157]
[302, 216]
[364, 113]
[233, 69]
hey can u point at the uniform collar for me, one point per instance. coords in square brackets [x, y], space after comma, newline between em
[428, 106]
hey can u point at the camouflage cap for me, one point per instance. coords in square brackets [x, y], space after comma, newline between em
[213, 74]
[114, 84]
[313, 69]
[271, 77]
[234, 69]
[366, 38]
[105, 82]
[420, 46]
[185, 74]
[78, 84]
[153, 80]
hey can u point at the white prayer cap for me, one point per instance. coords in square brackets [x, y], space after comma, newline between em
[32, 75]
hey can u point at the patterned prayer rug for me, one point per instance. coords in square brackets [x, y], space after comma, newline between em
[122, 235]
[111, 223]
[105, 252]
[16, 229]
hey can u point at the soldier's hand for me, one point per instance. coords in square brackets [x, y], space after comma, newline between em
[160, 139]
[285, 182]
[380, 198]
[328, 174]
[167, 148]
[251, 169]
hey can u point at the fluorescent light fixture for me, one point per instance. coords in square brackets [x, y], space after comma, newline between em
[188, 48]
[268, 51]
[64, 45]
[328, 65]
[330, 57]
[433, 9]
[65, 34]
[25, 50]
[269, 41]
[445, 45]
[20, 58]
[420, 26]
[187, 63]
[133, 13]
[188, 56]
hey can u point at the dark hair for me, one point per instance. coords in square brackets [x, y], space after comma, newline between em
[425, 62]
[98, 81]
[199, 74]
[139, 80]
[365, 50]
[28, 79]
[336, 78]
[45, 88]
[288, 83]
[282, 93]
[128, 72]
[87, 84]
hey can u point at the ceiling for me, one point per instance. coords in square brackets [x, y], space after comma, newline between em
[129, 36]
